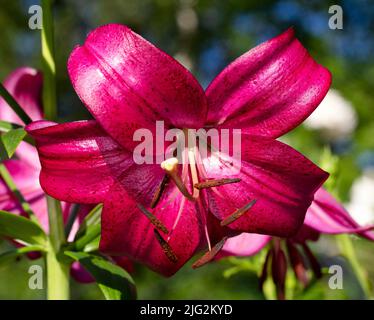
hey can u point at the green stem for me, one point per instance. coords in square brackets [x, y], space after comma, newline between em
[346, 246]
[7, 178]
[57, 270]
[48, 60]
[56, 223]
[14, 105]
[57, 277]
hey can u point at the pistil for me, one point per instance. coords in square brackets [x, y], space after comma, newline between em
[171, 168]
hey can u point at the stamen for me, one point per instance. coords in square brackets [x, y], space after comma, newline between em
[170, 166]
[209, 256]
[195, 179]
[215, 183]
[166, 248]
[237, 214]
[160, 189]
[152, 218]
[179, 214]
[207, 237]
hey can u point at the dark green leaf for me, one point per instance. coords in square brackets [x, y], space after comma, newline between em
[114, 282]
[20, 228]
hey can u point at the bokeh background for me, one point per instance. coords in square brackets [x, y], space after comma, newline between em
[205, 36]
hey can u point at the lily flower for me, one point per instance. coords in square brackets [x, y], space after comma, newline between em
[25, 85]
[161, 215]
[325, 216]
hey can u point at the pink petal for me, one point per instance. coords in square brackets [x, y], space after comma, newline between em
[244, 245]
[26, 179]
[328, 216]
[281, 180]
[127, 84]
[28, 154]
[127, 231]
[25, 85]
[79, 160]
[269, 90]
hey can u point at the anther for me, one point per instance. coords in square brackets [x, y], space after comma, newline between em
[158, 193]
[165, 247]
[237, 214]
[152, 218]
[171, 168]
[215, 183]
[209, 255]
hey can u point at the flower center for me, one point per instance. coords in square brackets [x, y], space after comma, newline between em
[191, 181]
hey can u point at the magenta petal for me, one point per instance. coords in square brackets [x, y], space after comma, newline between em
[79, 160]
[244, 245]
[25, 85]
[127, 84]
[127, 231]
[269, 90]
[328, 216]
[281, 180]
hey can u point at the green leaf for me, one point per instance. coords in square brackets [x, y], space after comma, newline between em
[92, 219]
[7, 126]
[9, 142]
[114, 282]
[6, 256]
[93, 245]
[20, 228]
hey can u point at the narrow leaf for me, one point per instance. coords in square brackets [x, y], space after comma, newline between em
[20, 228]
[93, 218]
[12, 254]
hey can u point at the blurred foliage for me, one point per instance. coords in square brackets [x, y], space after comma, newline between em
[207, 35]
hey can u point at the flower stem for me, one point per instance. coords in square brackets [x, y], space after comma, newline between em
[14, 105]
[56, 224]
[57, 270]
[346, 246]
[48, 60]
[57, 277]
